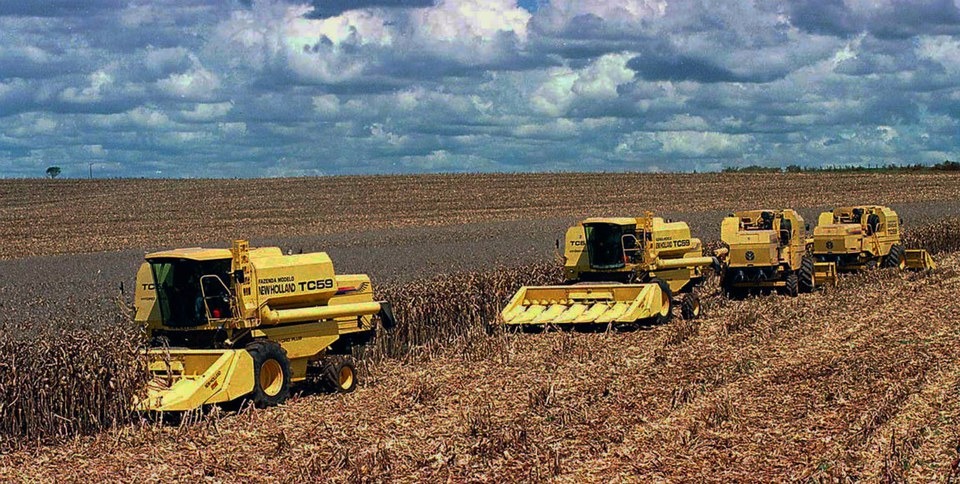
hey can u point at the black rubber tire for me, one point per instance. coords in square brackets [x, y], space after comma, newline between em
[668, 295]
[266, 354]
[792, 288]
[806, 274]
[690, 307]
[894, 258]
[334, 368]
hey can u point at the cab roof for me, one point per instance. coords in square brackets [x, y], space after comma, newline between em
[192, 253]
[611, 220]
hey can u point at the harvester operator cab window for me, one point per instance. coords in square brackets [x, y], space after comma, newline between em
[873, 223]
[857, 215]
[216, 297]
[179, 292]
[605, 245]
[766, 221]
[786, 231]
[632, 248]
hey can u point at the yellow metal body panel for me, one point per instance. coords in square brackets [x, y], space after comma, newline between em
[145, 299]
[601, 303]
[189, 379]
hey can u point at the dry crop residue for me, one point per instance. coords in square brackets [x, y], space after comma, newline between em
[831, 385]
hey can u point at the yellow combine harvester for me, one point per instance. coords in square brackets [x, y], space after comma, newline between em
[618, 271]
[242, 322]
[863, 237]
[766, 249]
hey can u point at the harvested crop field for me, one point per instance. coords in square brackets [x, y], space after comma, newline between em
[857, 382]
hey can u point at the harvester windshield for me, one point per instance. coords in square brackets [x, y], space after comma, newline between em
[178, 286]
[605, 244]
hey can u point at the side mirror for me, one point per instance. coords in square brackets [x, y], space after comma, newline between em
[807, 227]
[238, 276]
[557, 243]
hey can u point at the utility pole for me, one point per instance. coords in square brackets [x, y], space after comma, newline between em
[91, 170]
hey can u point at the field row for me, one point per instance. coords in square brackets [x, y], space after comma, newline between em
[102, 215]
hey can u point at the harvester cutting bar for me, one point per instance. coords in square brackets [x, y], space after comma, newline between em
[186, 379]
[600, 303]
[825, 274]
[918, 260]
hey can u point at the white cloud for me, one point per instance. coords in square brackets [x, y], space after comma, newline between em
[597, 81]
[99, 82]
[205, 112]
[196, 85]
[689, 144]
[942, 49]
[470, 20]
[327, 105]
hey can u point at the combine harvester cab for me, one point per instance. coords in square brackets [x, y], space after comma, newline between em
[618, 270]
[231, 323]
[863, 237]
[767, 249]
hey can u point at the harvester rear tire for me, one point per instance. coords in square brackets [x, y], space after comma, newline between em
[341, 374]
[271, 373]
[806, 274]
[894, 259]
[690, 306]
[792, 288]
[664, 317]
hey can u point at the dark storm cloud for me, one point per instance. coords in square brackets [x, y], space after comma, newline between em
[830, 17]
[58, 8]
[324, 8]
[885, 19]
[661, 67]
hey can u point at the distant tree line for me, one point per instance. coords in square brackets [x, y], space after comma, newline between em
[945, 165]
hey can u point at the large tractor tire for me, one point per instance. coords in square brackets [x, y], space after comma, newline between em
[894, 260]
[340, 374]
[690, 306]
[271, 373]
[666, 313]
[792, 288]
[805, 274]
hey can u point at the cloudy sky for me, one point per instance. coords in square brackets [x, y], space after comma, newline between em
[187, 88]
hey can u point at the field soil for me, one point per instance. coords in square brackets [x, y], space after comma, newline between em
[857, 382]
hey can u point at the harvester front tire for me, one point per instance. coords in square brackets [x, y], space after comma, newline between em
[271, 374]
[664, 317]
[341, 374]
[690, 306]
[792, 288]
[894, 259]
[806, 274]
